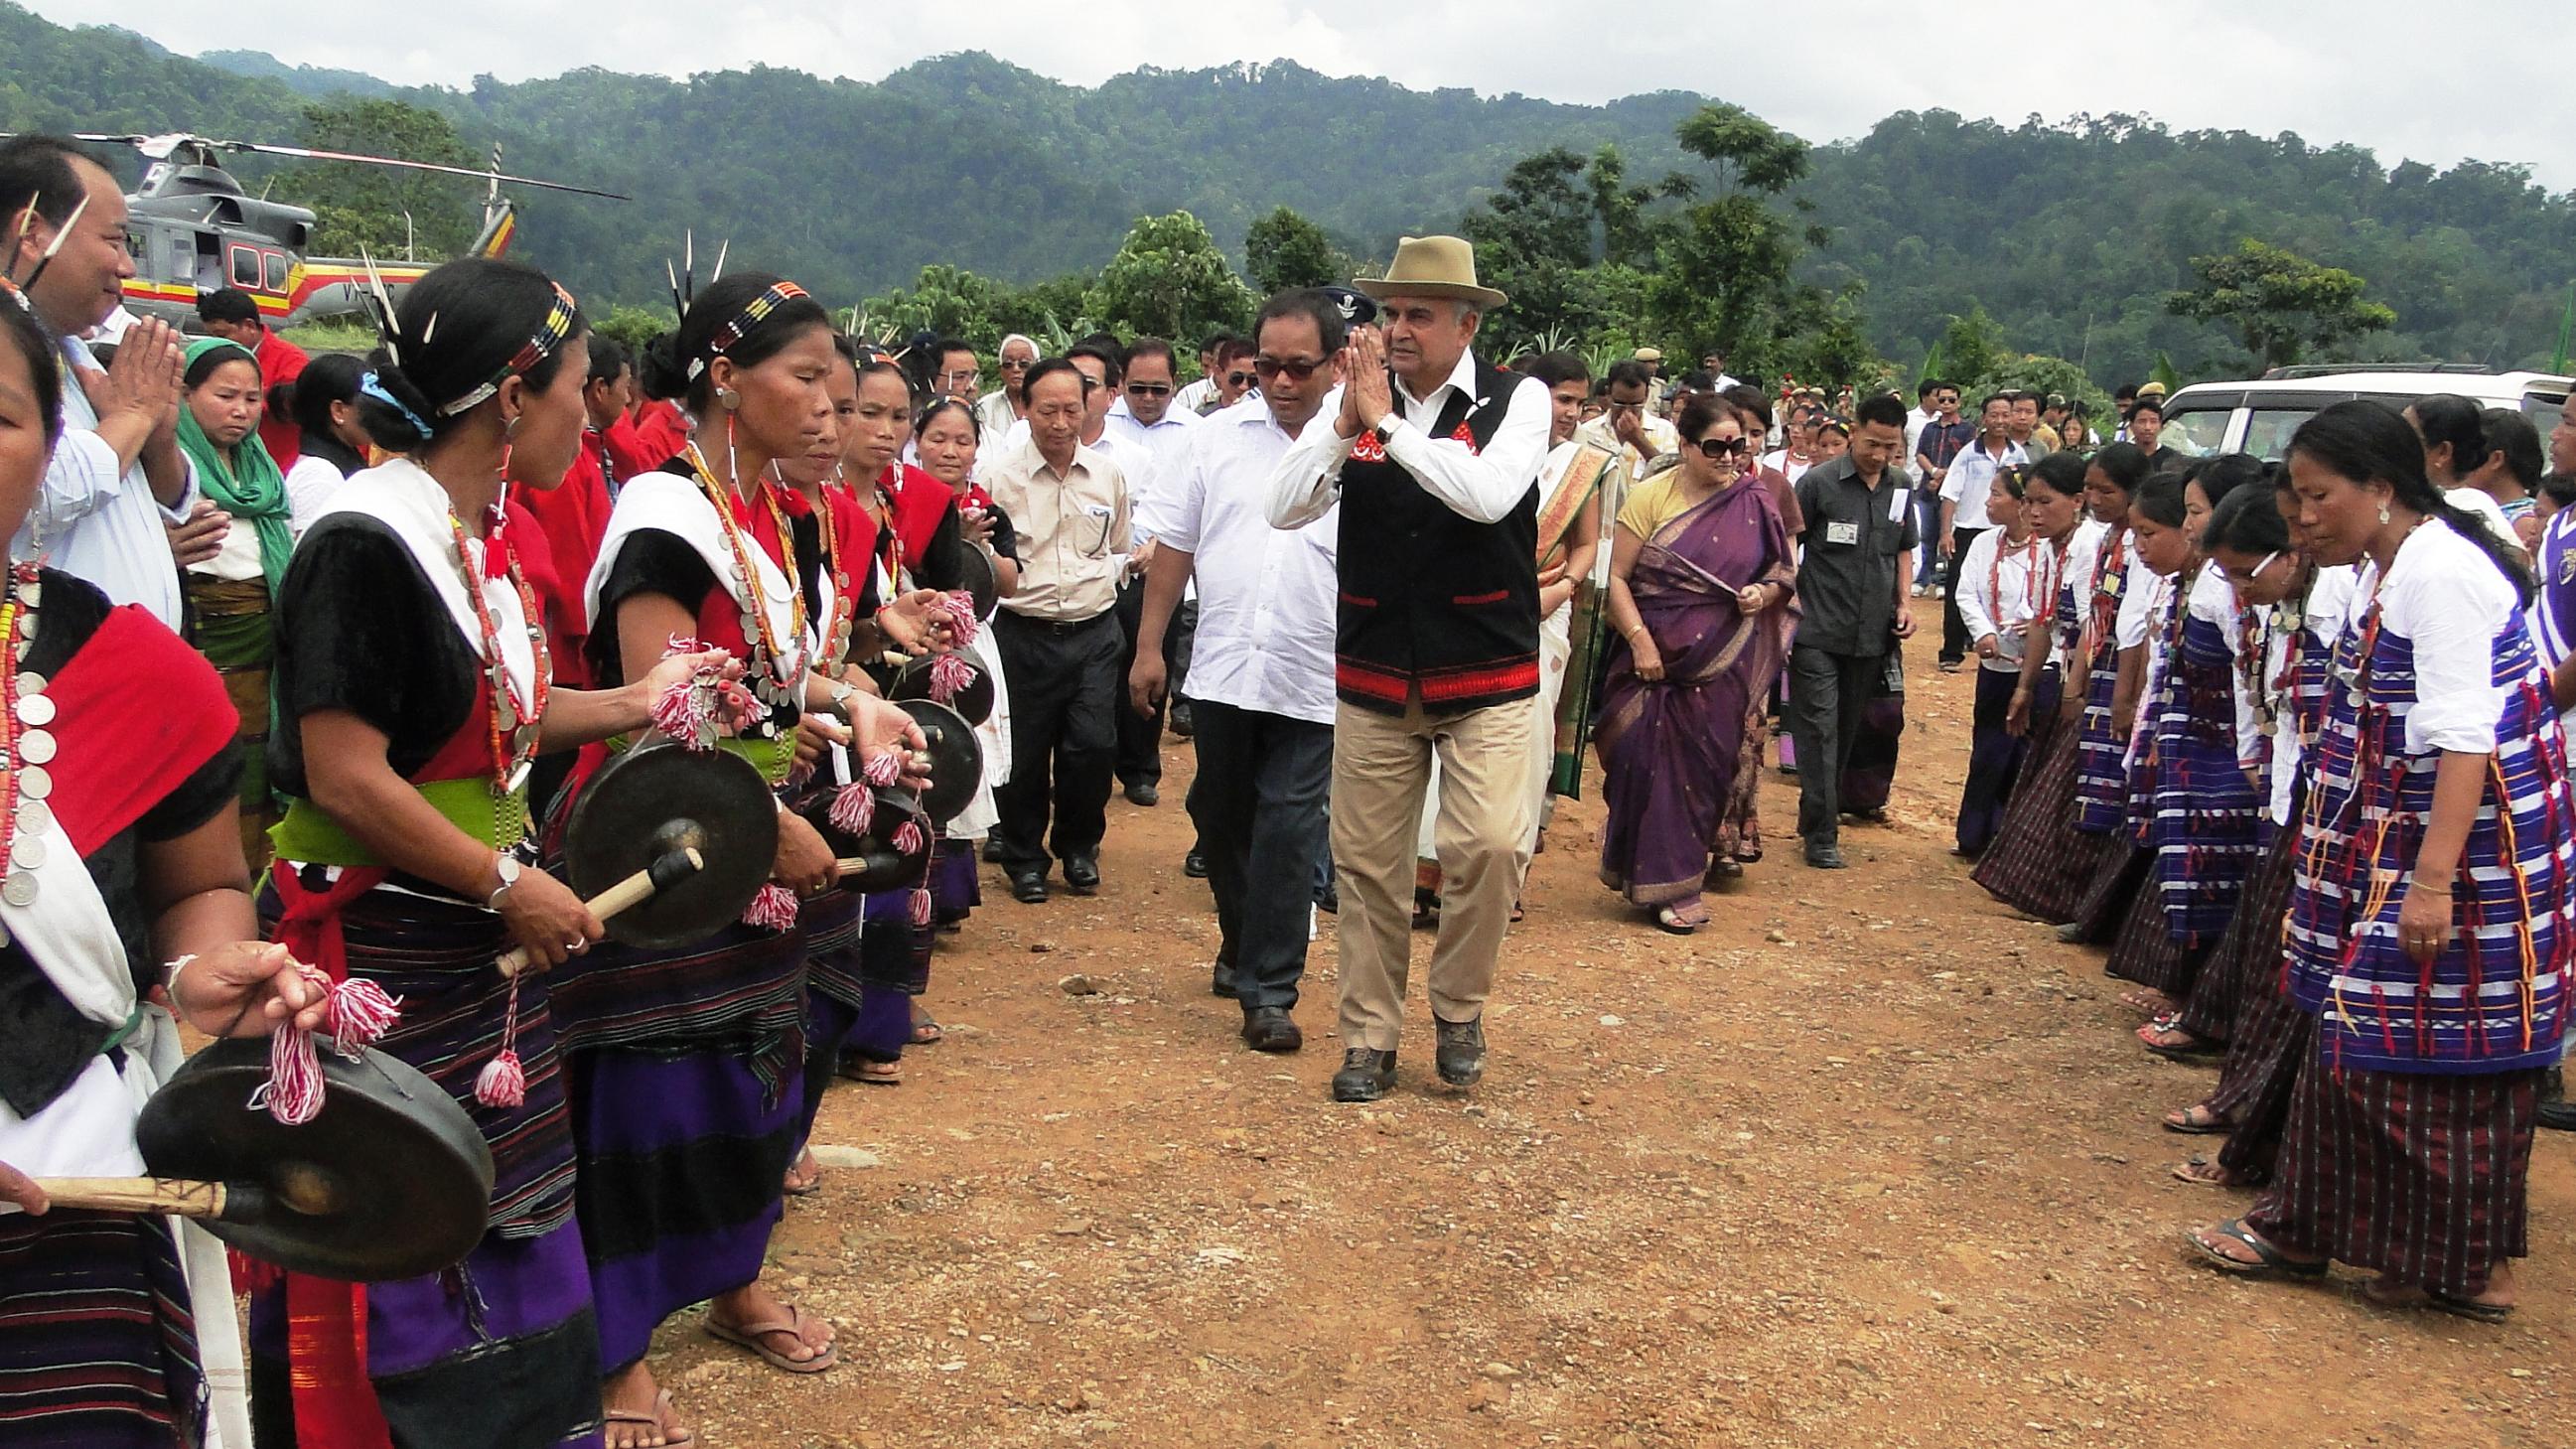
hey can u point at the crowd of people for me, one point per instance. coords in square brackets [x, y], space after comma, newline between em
[353, 635]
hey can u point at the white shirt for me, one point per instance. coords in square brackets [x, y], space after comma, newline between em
[2327, 610]
[1916, 421]
[1971, 474]
[309, 485]
[1484, 487]
[993, 416]
[2142, 596]
[1266, 595]
[2000, 588]
[2448, 599]
[1164, 442]
[2483, 504]
[2083, 555]
[98, 522]
[1188, 399]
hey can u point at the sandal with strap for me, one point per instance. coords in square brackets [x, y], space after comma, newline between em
[804, 1163]
[871, 1073]
[925, 1031]
[1678, 922]
[2201, 1172]
[2153, 1003]
[749, 1336]
[2270, 1260]
[2166, 1039]
[659, 1418]
[2197, 1120]
[2398, 1297]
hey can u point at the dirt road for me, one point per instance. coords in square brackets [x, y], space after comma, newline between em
[1871, 1162]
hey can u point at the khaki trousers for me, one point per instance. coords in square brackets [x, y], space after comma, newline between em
[1382, 769]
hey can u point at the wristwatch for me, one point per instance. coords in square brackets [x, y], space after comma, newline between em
[507, 867]
[1385, 429]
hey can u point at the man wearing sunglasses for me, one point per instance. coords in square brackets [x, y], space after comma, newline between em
[1235, 378]
[1001, 407]
[1143, 421]
[1433, 456]
[1262, 668]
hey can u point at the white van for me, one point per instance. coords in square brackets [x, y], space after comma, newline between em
[2258, 417]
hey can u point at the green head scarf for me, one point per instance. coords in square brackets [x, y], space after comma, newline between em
[243, 481]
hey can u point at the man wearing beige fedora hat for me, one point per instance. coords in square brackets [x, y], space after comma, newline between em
[1433, 456]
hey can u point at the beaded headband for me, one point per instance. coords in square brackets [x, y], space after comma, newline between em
[550, 335]
[741, 325]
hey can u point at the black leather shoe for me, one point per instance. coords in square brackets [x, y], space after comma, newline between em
[1082, 875]
[1144, 793]
[1028, 887]
[1329, 899]
[1221, 981]
[1179, 719]
[1365, 1076]
[1194, 865]
[1825, 857]
[2556, 1112]
[1271, 1029]
[1461, 1058]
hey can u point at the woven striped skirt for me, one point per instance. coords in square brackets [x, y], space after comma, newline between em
[2040, 863]
[502, 1348]
[2144, 949]
[2423, 1178]
[835, 990]
[2248, 957]
[97, 1343]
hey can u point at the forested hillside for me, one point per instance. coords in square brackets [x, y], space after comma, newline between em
[2069, 235]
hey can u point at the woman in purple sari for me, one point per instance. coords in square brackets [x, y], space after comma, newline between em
[1700, 574]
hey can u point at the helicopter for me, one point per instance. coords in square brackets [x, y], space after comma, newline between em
[191, 228]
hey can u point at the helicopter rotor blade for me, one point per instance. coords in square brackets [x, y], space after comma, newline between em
[308, 153]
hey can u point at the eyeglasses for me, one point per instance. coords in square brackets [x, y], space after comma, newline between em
[1149, 389]
[1716, 448]
[1238, 379]
[1298, 369]
[1016, 364]
[968, 376]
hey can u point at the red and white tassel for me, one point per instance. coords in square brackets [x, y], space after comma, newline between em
[356, 1013]
[959, 605]
[950, 677]
[853, 806]
[882, 768]
[920, 906]
[908, 839]
[503, 1082]
[772, 908]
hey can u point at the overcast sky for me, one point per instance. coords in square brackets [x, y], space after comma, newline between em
[2499, 86]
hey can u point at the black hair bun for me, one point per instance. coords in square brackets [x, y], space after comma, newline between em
[658, 370]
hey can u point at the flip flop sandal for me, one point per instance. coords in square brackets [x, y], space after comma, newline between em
[926, 1032]
[2153, 1005]
[1674, 924]
[2193, 1125]
[2272, 1260]
[2379, 1294]
[660, 1419]
[2201, 1172]
[749, 1336]
[872, 1074]
[2197, 1049]
[812, 1185]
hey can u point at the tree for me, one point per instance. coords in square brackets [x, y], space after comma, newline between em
[1559, 236]
[1972, 347]
[389, 211]
[2279, 302]
[1284, 250]
[1169, 280]
[1725, 279]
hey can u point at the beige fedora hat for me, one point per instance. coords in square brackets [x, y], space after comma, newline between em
[1432, 266]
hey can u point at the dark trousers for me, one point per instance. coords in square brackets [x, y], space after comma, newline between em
[1066, 694]
[1140, 736]
[1258, 801]
[1827, 692]
[1954, 626]
[1927, 527]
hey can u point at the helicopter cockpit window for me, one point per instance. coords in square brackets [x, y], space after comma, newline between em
[134, 246]
[245, 262]
[276, 270]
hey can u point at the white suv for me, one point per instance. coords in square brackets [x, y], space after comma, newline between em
[2258, 417]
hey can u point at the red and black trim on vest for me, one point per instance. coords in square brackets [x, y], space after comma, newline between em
[1433, 605]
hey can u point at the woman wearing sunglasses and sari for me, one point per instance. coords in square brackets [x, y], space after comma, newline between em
[1700, 565]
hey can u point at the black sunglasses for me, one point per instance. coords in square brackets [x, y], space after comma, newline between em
[1238, 379]
[1149, 389]
[1715, 448]
[1297, 369]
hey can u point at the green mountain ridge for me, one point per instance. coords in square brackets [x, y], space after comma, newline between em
[2068, 234]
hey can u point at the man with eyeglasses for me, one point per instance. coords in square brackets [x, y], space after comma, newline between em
[959, 373]
[1433, 456]
[1197, 397]
[1068, 504]
[1235, 377]
[1143, 420]
[1001, 407]
[1262, 669]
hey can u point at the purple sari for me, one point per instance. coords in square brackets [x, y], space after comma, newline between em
[1670, 748]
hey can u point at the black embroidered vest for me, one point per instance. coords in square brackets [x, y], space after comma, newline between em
[1434, 603]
